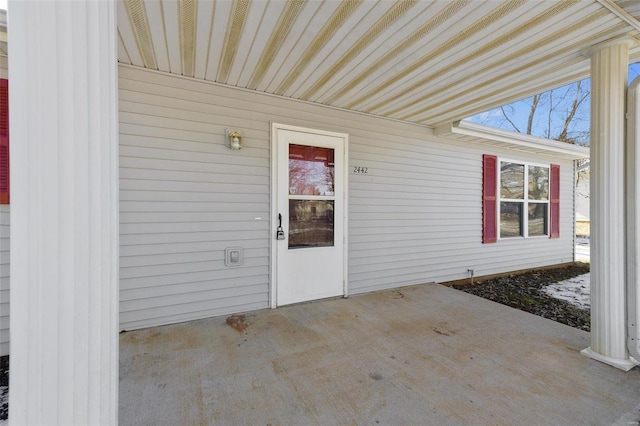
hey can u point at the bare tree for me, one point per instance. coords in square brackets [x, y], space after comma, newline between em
[562, 114]
[532, 112]
[506, 117]
[580, 96]
[557, 114]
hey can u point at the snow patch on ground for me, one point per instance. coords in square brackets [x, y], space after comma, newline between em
[574, 290]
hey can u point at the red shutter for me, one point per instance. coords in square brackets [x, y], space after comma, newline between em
[489, 208]
[554, 201]
[4, 141]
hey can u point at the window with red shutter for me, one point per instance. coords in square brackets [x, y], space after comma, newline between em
[4, 141]
[489, 188]
[519, 199]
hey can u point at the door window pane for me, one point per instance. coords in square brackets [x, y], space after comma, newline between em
[311, 170]
[310, 223]
[538, 183]
[537, 219]
[510, 219]
[512, 181]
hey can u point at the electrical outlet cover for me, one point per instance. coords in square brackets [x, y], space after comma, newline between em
[233, 256]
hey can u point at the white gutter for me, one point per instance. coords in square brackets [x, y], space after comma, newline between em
[513, 139]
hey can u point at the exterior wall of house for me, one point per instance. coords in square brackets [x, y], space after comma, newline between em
[423, 222]
[4, 256]
[415, 217]
[4, 279]
[184, 198]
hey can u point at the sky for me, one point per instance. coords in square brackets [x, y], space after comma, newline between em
[518, 113]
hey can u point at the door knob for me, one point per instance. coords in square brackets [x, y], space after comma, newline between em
[280, 231]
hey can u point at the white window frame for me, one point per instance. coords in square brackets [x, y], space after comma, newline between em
[525, 201]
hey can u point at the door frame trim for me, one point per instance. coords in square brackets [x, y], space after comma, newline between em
[273, 273]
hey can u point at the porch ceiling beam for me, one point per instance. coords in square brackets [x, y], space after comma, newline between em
[621, 13]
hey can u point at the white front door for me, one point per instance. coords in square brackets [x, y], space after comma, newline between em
[309, 217]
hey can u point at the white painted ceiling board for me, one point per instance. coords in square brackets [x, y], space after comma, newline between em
[254, 19]
[155, 14]
[477, 104]
[421, 66]
[271, 15]
[566, 50]
[311, 21]
[380, 65]
[221, 18]
[172, 36]
[123, 55]
[416, 62]
[379, 47]
[633, 7]
[204, 30]
[354, 24]
[128, 38]
[353, 29]
[538, 75]
[463, 55]
[473, 69]
[293, 36]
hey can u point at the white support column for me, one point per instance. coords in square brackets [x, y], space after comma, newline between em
[609, 63]
[64, 213]
[633, 218]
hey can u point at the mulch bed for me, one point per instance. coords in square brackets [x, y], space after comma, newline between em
[524, 292]
[4, 387]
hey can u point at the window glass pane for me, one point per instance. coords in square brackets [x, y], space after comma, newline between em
[537, 219]
[512, 181]
[538, 183]
[310, 223]
[510, 219]
[311, 170]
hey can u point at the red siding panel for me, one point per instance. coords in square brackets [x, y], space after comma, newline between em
[4, 141]
[489, 207]
[554, 202]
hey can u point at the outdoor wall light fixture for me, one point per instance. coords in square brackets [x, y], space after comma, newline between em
[234, 139]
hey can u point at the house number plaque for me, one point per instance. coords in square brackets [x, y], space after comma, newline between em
[360, 170]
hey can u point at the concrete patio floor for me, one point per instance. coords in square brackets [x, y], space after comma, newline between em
[425, 354]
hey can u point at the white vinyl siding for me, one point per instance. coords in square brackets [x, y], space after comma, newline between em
[184, 198]
[415, 217]
[4, 257]
[4, 279]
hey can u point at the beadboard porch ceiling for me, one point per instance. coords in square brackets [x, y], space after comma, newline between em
[425, 62]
